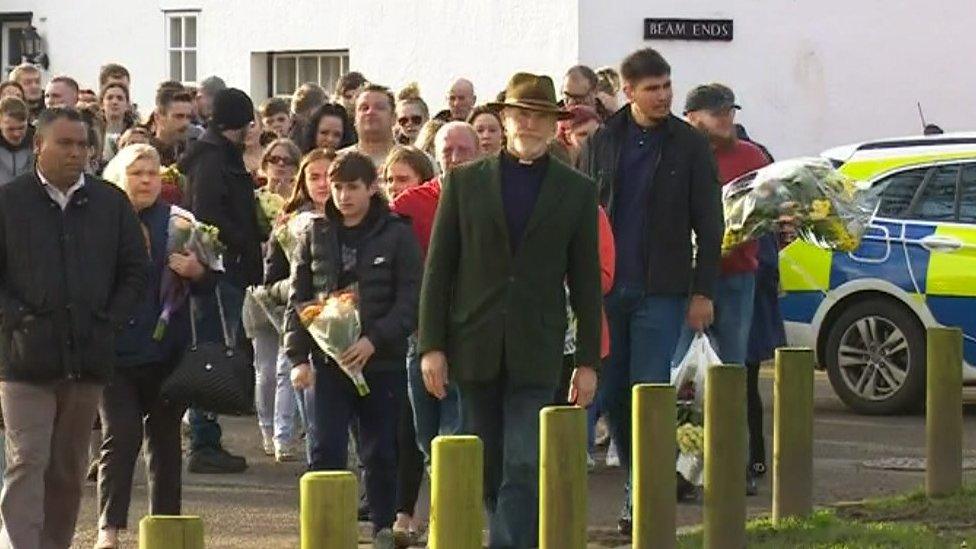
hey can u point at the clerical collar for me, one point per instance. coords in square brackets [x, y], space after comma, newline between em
[527, 163]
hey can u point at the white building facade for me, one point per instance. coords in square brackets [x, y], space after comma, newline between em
[809, 75]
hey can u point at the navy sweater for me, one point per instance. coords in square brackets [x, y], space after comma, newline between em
[520, 190]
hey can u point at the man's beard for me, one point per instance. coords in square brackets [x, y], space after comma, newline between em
[718, 141]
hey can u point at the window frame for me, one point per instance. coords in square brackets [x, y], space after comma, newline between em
[182, 16]
[9, 21]
[883, 179]
[913, 208]
[320, 56]
[959, 192]
[911, 214]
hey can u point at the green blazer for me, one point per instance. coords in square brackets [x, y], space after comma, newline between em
[484, 306]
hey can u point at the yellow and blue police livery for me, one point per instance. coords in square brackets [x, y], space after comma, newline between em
[865, 312]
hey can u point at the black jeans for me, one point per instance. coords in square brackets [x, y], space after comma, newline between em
[131, 410]
[410, 462]
[754, 408]
[378, 413]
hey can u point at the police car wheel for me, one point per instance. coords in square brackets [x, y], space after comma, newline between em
[875, 358]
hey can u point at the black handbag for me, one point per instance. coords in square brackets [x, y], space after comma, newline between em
[213, 377]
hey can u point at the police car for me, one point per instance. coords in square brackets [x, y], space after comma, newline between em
[865, 312]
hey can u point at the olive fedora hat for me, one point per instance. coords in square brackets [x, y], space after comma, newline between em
[531, 92]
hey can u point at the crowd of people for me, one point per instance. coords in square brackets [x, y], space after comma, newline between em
[507, 254]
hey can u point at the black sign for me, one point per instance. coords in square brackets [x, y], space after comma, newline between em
[688, 29]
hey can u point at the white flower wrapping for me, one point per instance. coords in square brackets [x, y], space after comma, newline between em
[334, 325]
[688, 379]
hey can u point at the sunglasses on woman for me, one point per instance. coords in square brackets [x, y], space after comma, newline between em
[281, 160]
[416, 120]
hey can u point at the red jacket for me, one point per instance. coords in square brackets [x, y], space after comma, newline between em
[735, 161]
[608, 261]
[420, 204]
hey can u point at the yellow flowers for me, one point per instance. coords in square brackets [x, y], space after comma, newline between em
[819, 209]
[805, 198]
[691, 439]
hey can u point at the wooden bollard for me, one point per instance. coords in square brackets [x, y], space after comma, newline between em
[653, 423]
[170, 532]
[328, 509]
[725, 458]
[943, 416]
[793, 434]
[562, 478]
[456, 506]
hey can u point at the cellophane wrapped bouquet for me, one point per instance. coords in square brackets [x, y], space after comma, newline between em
[825, 207]
[270, 208]
[334, 324]
[185, 234]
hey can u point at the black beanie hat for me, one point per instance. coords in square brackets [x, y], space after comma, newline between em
[232, 110]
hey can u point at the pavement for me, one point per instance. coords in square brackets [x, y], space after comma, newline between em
[259, 508]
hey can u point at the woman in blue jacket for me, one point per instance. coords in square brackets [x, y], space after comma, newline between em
[131, 408]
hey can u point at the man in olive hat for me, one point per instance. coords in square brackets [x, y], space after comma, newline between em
[511, 230]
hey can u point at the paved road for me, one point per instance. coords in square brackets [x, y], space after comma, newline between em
[258, 509]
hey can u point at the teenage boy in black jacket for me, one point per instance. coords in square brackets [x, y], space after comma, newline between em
[358, 241]
[658, 181]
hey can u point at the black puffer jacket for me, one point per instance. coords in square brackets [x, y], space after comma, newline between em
[221, 192]
[388, 271]
[68, 280]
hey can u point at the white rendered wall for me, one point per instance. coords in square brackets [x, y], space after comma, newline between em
[809, 75]
[82, 35]
[812, 74]
[392, 42]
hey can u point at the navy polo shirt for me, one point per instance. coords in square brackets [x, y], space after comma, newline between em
[521, 183]
[640, 152]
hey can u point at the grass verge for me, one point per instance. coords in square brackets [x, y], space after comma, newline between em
[910, 521]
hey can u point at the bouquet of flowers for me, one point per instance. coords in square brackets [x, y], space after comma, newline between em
[825, 207]
[689, 382]
[264, 307]
[333, 323]
[185, 234]
[174, 184]
[270, 207]
[289, 229]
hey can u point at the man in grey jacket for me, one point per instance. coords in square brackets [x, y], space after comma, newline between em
[16, 154]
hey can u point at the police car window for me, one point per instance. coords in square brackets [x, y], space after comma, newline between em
[897, 192]
[938, 199]
[967, 195]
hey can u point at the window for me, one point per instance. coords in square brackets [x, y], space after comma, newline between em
[898, 191]
[937, 201]
[181, 46]
[967, 194]
[290, 70]
[11, 31]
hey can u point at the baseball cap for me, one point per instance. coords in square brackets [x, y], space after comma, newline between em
[710, 97]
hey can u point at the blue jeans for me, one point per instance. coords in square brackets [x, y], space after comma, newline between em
[205, 432]
[305, 399]
[377, 414]
[644, 330]
[734, 300]
[431, 417]
[507, 421]
[273, 392]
